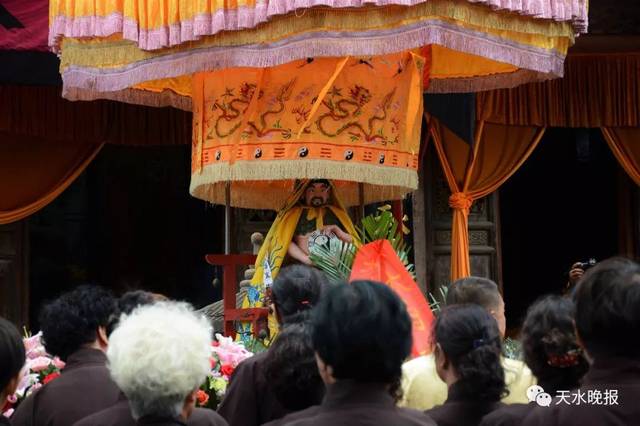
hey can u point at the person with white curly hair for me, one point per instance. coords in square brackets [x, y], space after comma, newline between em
[159, 355]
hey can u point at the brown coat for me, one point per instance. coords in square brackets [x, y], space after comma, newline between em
[159, 421]
[83, 388]
[249, 401]
[296, 415]
[120, 415]
[349, 403]
[618, 374]
[459, 410]
[509, 415]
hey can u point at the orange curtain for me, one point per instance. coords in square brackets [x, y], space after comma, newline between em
[625, 144]
[34, 171]
[40, 111]
[597, 90]
[473, 173]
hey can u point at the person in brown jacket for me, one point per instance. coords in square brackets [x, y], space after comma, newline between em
[249, 400]
[361, 334]
[12, 357]
[292, 372]
[552, 352]
[120, 413]
[159, 356]
[73, 328]
[467, 351]
[607, 321]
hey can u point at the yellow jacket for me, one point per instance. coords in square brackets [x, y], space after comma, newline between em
[423, 389]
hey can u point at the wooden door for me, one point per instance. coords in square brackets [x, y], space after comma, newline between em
[14, 288]
[484, 230]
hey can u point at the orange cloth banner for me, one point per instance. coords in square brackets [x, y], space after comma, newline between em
[352, 120]
[34, 171]
[473, 173]
[596, 91]
[625, 144]
[379, 262]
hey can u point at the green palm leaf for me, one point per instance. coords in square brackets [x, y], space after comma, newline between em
[336, 260]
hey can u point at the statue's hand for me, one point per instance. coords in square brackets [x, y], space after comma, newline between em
[296, 252]
[335, 229]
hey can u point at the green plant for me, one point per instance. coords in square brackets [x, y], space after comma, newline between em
[512, 349]
[336, 259]
[384, 226]
[435, 303]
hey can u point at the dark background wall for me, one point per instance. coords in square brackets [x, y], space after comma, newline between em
[560, 207]
[128, 222]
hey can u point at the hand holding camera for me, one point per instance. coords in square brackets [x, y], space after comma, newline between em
[577, 271]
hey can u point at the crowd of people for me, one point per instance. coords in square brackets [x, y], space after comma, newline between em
[341, 357]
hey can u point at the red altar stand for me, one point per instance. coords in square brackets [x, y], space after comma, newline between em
[257, 316]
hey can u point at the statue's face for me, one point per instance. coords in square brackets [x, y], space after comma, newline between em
[317, 194]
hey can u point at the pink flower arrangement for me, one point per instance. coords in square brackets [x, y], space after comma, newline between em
[225, 357]
[38, 364]
[229, 352]
[39, 369]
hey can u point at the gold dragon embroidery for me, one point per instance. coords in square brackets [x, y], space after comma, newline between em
[350, 108]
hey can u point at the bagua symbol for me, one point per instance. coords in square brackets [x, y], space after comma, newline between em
[537, 394]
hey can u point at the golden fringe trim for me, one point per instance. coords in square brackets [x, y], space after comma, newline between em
[487, 82]
[131, 96]
[523, 30]
[189, 12]
[251, 186]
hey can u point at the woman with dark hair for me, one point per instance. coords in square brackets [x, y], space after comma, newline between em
[361, 335]
[551, 351]
[12, 357]
[550, 345]
[127, 303]
[467, 355]
[74, 329]
[292, 373]
[249, 400]
[607, 317]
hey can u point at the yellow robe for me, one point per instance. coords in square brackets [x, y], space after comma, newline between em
[276, 245]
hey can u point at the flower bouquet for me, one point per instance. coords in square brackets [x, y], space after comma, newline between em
[40, 368]
[226, 354]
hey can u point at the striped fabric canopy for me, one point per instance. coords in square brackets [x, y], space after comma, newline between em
[108, 47]
[306, 88]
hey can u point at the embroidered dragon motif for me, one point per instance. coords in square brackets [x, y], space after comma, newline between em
[350, 108]
[277, 107]
[232, 110]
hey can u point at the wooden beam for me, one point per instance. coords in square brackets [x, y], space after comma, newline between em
[419, 231]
